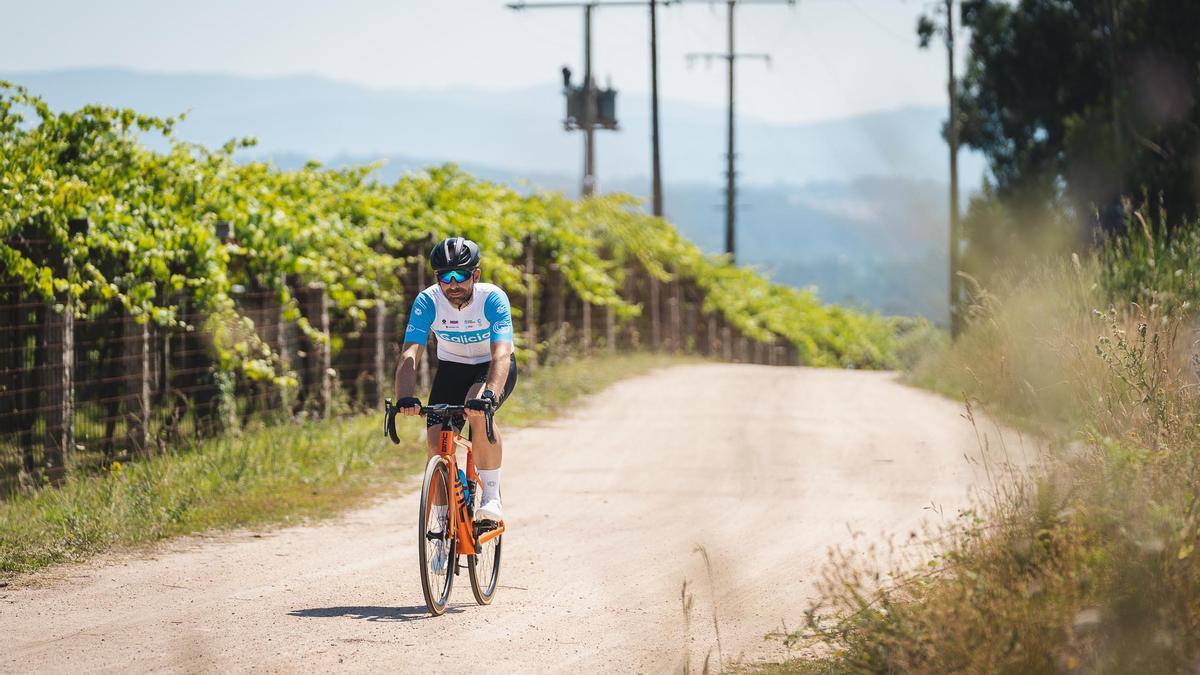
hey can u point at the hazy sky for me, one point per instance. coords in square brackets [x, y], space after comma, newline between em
[831, 58]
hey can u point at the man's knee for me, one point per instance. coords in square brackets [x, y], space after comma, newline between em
[433, 439]
[479, 430]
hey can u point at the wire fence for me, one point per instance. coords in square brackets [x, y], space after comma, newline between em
[79, 391]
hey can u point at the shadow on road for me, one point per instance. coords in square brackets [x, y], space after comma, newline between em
[413, 613]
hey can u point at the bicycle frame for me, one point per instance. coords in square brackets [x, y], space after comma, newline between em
[468, 540]
[447, 440]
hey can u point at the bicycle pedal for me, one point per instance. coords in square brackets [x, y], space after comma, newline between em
[482, 526]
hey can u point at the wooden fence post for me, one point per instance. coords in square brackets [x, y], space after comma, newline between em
[690, 338]
[560, 299]
[710, 336]
[587, 327]
[284, 348]
[726, 344]
[58, 339]
[676, 323]
[655, 316]
[423, 367]
[610, 329]
[531, 319]
[318, 358]
[136, 349]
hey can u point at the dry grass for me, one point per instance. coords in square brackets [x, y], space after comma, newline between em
[269, 475]
[1086, 563]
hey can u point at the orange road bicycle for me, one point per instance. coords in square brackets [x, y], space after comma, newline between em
[455, 534]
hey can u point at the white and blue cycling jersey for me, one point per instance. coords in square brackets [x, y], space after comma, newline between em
[463, 335]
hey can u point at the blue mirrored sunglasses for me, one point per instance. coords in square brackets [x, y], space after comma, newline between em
[454, 275]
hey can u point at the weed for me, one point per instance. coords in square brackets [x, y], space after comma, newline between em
[1088, 561]
[265, 475]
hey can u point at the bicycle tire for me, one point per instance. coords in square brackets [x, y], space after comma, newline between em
[484, 568]
[435, 587]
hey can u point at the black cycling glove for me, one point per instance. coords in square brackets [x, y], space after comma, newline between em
[389, 417]
[485, 402]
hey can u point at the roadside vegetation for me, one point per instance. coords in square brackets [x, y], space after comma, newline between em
[1089, 561]
[154, 242]
[269, 475]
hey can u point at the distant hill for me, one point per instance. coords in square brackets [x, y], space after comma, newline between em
[856, 206]
[519, 130]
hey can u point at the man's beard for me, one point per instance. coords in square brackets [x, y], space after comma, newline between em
[458, 295]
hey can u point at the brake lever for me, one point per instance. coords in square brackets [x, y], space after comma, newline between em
[491, 433]
[389, 421]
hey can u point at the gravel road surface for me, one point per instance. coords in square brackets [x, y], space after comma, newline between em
[610, 510]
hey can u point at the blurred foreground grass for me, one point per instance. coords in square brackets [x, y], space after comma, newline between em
[1087, 562]
[268, 475]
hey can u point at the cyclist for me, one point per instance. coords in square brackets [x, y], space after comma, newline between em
[476, 366]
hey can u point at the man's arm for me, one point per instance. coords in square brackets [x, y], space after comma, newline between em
[499, 314]
[498, 371]
[406, 370]
[416, 335]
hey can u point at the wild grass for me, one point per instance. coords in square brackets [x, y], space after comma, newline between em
[1087, 562]
[269, 475]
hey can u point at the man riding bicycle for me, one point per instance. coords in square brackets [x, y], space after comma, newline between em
[476, 366]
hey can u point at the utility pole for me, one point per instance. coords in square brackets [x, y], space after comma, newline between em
[655, 166]
[731, 56]
[927, 27]
[588, 124]
[589, 93]
[956, 317]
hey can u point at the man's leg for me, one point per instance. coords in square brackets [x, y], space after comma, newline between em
[488, 457]
[433, 438]
[448, 384]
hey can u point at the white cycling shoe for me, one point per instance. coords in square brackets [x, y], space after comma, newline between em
[489, 510]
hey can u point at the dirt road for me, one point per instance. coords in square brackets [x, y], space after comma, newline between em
[765, 468]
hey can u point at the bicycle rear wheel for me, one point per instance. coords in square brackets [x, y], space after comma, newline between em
[484, 567]
[434, 532]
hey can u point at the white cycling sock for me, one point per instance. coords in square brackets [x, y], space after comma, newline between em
[490, 480]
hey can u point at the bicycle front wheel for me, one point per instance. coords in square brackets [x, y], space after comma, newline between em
[435, 543]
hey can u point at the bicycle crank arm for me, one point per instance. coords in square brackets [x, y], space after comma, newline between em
[487, 532]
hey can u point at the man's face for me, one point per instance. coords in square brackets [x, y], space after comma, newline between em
[457, 284]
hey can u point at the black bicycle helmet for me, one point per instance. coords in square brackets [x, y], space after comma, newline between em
[455, 253]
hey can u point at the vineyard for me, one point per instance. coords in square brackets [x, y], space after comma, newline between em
[152, 296]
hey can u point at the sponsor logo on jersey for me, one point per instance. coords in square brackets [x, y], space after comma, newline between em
[465, 338]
